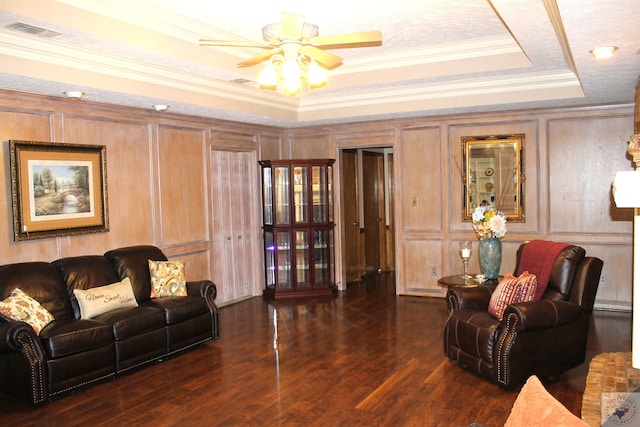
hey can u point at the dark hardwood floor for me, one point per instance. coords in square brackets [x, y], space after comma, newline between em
[363, 358]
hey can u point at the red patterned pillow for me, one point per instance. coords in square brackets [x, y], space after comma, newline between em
[528, 285]
[512, 290]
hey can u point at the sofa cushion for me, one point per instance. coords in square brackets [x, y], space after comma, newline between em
[85, 272]
[130, 322]
[133, 262]
[69, 336]
[21, 307]
[535, 407]
[178, 309]
[102, 299]
[42, 282]
[167, 279]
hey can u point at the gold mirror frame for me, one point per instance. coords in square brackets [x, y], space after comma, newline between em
[493, 174]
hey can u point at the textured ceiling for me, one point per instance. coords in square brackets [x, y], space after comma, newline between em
[437, 56]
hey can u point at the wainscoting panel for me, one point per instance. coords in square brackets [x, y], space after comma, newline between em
[584, 156]
[182, 185]
[129, 178]
[421, 256]
[31, 125]
[422, 176]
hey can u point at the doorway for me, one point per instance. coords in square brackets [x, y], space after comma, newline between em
[367, 212]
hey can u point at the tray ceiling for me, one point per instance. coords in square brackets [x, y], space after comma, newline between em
[437, 56]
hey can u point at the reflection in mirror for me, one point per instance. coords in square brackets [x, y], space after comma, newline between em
[493, 174]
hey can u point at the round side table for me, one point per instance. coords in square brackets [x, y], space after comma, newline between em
[456, 281]
[460, 282]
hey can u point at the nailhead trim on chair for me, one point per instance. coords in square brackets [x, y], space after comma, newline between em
[506, 341]
[83, 384]
[447, 344]
[37, 376]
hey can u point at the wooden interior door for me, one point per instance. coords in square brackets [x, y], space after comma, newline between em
[373, 205]
[353, 256]
[390, 231]
[234, 254]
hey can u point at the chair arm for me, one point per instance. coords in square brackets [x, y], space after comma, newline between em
[207, 290]
[19, 337]
[476, 297]
[12, 340]
[203, 288]
[542, 314]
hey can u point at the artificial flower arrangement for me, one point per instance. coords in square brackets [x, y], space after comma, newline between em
[488, 223]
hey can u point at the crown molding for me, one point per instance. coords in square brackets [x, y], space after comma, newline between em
[447, 52]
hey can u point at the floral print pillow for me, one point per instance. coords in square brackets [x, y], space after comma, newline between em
[167, 279]
[19, 306]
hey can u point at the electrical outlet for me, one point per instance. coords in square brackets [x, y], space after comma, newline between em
[434, 271]
[603, 280]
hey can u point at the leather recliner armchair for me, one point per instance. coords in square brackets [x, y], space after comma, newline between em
[544, 337]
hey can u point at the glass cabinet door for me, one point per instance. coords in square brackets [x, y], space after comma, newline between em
[283, 259]
[281, 187]
[302, 259]
[267, 196]
[318, 177]
[330, 191]
[320, 257]
[300, 186]
[270, 259]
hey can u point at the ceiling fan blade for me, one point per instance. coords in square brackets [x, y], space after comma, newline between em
[259, 58]
[234, 43]
[325, 59]
[340, 41]
[292, 25]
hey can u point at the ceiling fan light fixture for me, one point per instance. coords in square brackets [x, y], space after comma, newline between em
[603, 52]
[297, 53]
[291, 75]
[317, 76]
[268, 78]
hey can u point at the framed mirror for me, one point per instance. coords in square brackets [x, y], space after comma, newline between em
[493, 174]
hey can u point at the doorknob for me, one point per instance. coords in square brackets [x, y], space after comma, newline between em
[356, 223]
[378, 219]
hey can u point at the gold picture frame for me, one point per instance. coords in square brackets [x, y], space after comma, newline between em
[58, 189]
[493, 175]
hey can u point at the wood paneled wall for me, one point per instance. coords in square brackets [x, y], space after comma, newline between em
[158, 180]
[160, 166]
[570, 159]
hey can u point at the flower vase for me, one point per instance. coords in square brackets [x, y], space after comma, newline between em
[490, 255]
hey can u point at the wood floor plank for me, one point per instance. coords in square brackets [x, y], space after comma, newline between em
[366, 357]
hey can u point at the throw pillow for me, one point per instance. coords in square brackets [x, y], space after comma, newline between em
[102, 299]
[512, 290]
[21, 307]
[167, 279]
[535, 407]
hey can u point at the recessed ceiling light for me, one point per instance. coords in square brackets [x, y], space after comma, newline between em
[160, 107]
[603, 52]
[74, 94]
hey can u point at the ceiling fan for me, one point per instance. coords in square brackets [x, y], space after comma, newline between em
[293, 37]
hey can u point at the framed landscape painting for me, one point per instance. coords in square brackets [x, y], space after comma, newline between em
[58, 189]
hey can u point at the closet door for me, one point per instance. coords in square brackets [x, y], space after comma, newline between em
[237, 258]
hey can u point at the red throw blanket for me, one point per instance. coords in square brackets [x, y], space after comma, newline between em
[538, 257]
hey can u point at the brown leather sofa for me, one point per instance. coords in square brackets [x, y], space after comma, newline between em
[544, 337]
[71, 352]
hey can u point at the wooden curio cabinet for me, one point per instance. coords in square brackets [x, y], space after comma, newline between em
[298, 227]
